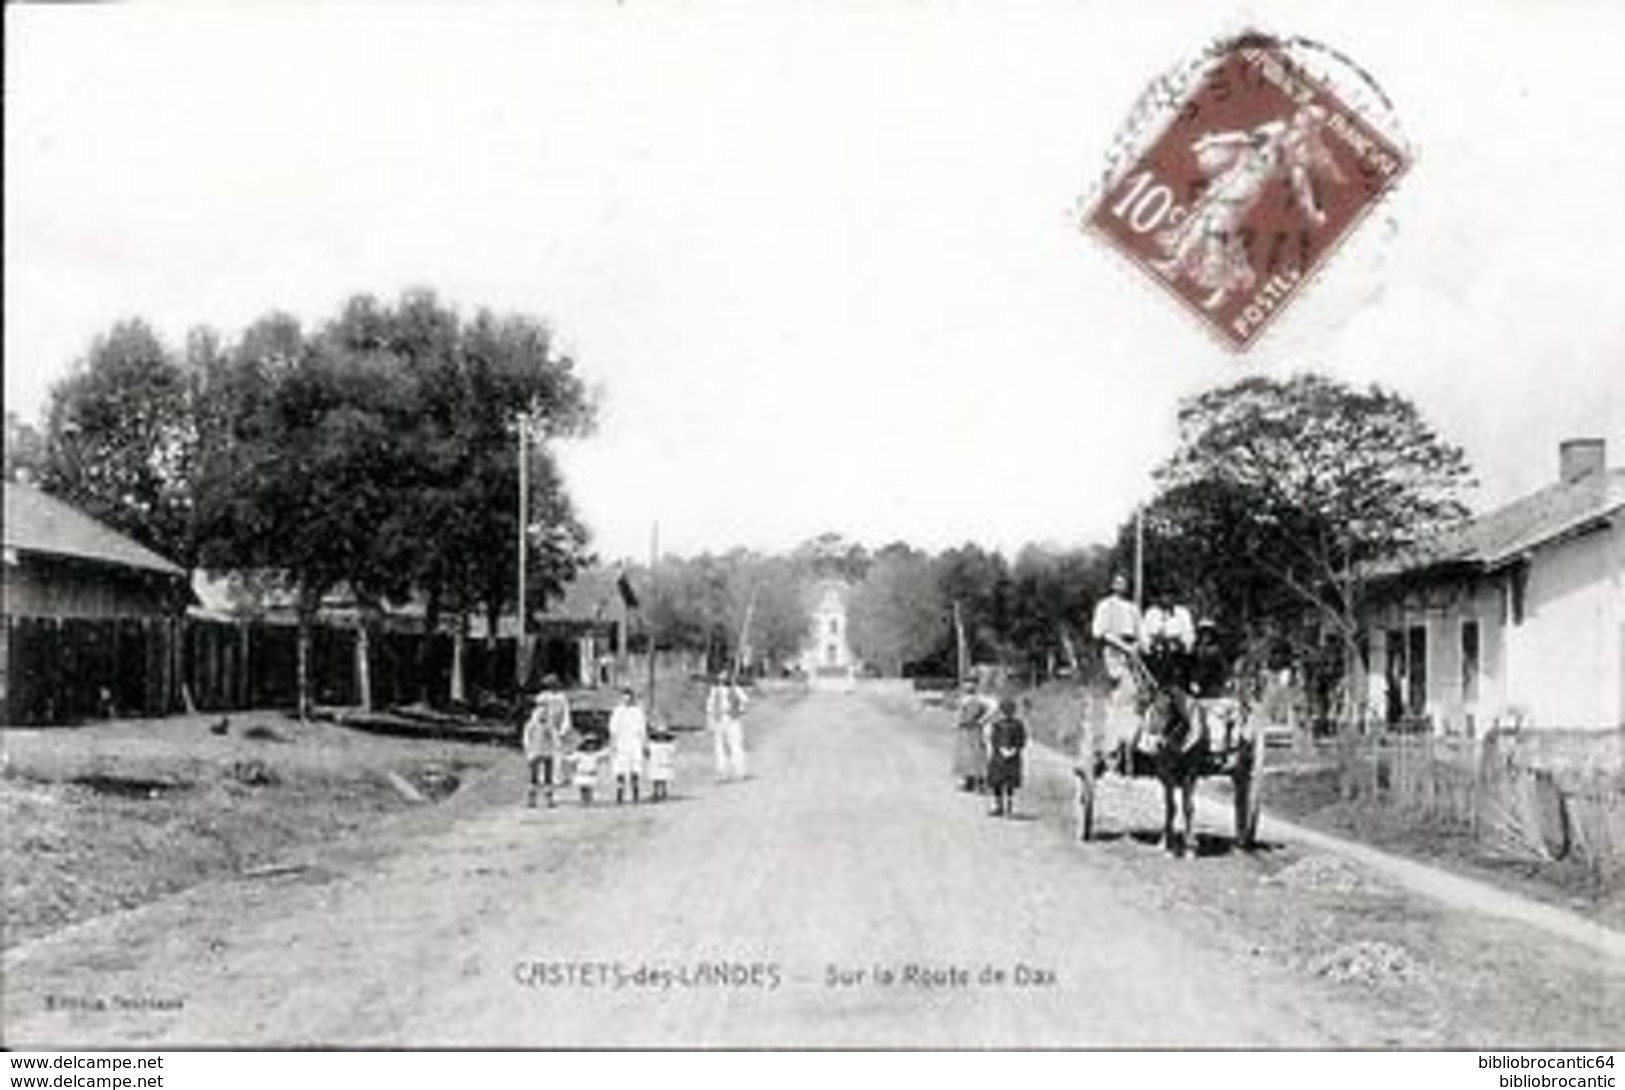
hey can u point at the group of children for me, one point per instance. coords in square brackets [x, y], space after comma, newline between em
[631, 750]
[987, 756]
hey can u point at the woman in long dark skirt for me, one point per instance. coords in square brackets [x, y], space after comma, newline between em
[976, 712]
[1006, 740]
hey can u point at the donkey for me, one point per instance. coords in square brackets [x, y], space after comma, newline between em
[1177, 730]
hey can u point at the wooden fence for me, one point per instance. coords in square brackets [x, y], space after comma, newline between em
[1547, 794]
[69, 670]
[61, 670]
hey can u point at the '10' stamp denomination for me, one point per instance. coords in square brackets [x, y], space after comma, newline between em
[1261, 171]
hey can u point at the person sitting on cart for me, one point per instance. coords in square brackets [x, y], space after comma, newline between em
[1116, 624]
[1209, 665]
[1169, 637]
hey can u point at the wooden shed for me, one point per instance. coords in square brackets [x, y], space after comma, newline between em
[92, 618]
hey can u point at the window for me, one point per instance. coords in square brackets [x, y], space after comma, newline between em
[1469, 675]
[1416, 661]
[834, 626]
[1394, 641]
[1469, 661]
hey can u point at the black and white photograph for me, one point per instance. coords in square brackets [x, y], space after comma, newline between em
[899, 525]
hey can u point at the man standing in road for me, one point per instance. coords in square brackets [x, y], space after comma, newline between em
[544, 738]
[1116, 626]
[724, 714]
[628, 736]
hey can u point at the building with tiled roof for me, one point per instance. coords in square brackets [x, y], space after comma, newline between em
[1515, 617]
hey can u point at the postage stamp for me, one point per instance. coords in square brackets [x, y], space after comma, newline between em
[1268, 155]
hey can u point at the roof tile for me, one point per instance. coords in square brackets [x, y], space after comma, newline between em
[39, 523]
[1498, 536]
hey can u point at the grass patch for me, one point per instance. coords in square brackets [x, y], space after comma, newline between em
[109, 817]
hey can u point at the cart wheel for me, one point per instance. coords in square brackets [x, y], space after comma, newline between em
[1248, 781]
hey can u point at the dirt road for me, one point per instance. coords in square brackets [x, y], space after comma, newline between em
[846, 894]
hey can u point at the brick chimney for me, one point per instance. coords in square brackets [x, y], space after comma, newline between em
[1579, 458]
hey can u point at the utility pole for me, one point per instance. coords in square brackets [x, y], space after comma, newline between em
[744, 633]
[1139, 559]
[521, 658]
[961, 651]
[623, 627]
[654, 560]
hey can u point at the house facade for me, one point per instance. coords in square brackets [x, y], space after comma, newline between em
[1516, 618]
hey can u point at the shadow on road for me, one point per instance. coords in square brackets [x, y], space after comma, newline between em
[1208, 845]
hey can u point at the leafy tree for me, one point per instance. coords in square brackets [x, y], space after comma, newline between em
[898, 614]
[508, 367]
[299, 481]
[1282, 490]
[768, 609]
[688, 606]
[978, 581]
[832, 556]
[120, 441]
[1050, 592]
[742, 608]
[24, 449]
[379, 454]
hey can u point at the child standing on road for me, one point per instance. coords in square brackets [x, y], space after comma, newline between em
[628, 736]
[589, 764]
[1006, 739]
[544, 738]
[662, 756]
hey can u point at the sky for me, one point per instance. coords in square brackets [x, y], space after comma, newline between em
[822, 261]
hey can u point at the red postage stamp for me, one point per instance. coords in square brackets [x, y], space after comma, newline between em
[1260, 173]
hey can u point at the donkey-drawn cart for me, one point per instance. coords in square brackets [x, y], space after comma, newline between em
[1177, 738]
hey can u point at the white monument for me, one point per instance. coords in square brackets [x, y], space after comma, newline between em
[826, 657]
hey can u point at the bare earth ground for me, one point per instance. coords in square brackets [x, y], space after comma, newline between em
[769, 913]
[114, 815]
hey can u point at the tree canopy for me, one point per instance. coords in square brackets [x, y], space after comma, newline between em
[381, 450]
[898, 614]
[120, 440]
[376, 451]
[742, 608]
[24, 448]
[1282, 490]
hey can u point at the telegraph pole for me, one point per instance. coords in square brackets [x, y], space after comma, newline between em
[521, 659]
[654, 559]
[1139, 558]
[623, 628]
[961, 650]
